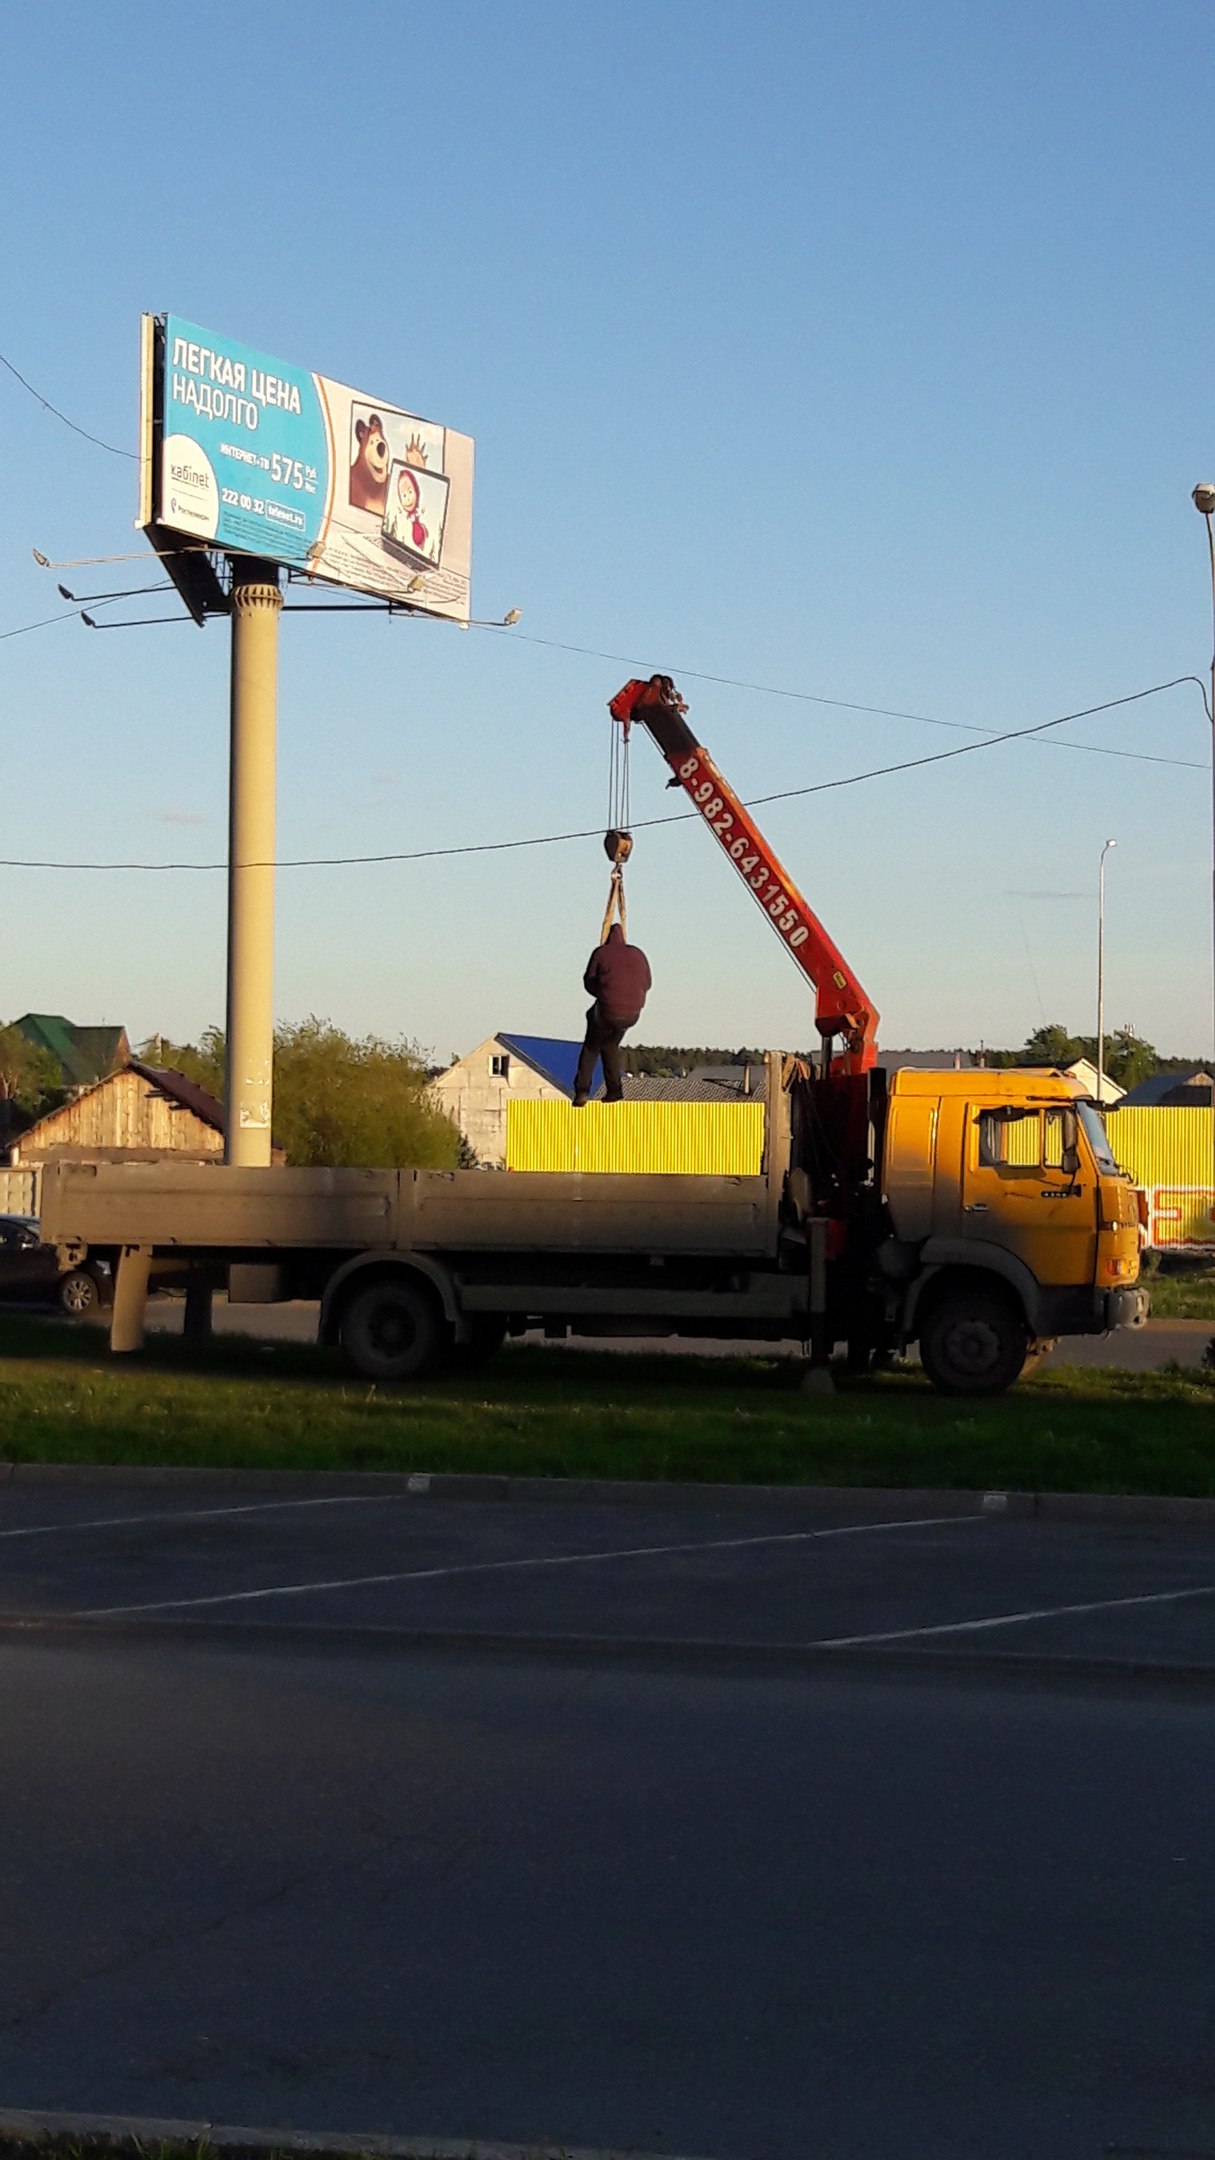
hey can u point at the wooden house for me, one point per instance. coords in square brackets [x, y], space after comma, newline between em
[136, 1115]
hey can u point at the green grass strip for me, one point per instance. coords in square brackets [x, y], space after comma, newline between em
[1182, 1296]
[537, 1412]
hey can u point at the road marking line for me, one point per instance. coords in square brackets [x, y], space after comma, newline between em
[1012, 1619]
[176, 1515]
[503, 1567]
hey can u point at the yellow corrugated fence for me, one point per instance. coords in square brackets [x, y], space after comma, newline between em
[1169, 1153]
[698, 1139]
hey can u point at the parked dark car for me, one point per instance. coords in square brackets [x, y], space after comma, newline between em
[30, 1269]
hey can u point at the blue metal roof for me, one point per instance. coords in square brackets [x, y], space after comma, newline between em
[558, 1061]
[1156, 1090]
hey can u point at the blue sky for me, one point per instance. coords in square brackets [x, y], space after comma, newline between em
[862, 352]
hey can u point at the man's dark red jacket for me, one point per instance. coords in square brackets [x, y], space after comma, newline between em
[618, 976]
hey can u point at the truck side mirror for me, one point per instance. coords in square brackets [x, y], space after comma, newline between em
[1069, 1160]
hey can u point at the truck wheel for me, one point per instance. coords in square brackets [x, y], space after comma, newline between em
[973, 1342]
[78, 1292]
[392, 1330]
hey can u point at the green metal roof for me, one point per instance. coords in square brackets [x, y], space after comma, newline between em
[84, 1054]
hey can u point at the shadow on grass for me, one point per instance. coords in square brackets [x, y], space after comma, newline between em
[516, 1369]
[117, 2147]
[236, 1403]
[85, 1342]
[560, 1373]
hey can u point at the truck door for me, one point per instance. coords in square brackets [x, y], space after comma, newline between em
[1017, 1194]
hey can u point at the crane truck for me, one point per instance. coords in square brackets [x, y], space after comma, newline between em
[979, 1215]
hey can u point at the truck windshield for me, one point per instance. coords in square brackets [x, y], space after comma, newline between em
[1095, 1134]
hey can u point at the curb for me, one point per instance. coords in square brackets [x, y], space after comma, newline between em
[689, 1653]
[887, 1501]
[40, 2127]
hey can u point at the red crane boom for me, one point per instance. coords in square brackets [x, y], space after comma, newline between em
[843, 1011]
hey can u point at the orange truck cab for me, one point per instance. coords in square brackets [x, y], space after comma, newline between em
[1012, 1222]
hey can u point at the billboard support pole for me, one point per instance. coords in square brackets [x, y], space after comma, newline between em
[256, 602]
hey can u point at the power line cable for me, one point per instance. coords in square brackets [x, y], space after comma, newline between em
[731, 682]
[47, 620]
[880, 712]
[683, 817]
[47, 406]
[806, 697]
[78, 614]
[941, 757]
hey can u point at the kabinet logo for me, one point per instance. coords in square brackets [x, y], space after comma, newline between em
[191, 491]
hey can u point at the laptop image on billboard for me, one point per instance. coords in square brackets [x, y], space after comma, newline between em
[414, 515]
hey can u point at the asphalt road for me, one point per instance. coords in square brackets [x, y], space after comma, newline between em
[735, 1828]
[1160, 1343]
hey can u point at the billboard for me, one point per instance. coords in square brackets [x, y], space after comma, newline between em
[257, 457]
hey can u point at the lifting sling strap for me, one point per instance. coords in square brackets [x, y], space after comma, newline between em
[616, 904]
[617, 840]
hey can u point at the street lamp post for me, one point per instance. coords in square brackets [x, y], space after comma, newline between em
[1204, 503]
[1101, 973]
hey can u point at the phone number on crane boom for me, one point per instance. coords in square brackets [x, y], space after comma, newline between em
[744, 854]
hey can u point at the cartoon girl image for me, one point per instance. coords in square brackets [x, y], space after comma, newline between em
[407, 509]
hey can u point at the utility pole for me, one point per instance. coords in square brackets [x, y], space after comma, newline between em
[1101, 974]
[249, 1080]
[249, 1087]
[1203, 497]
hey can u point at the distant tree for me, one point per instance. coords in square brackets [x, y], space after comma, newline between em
[202, 1062]
[30, 1077]
[663, 1061]
[340, 1102]
[1049, 1045]
[356, 1103]
[1128, 1059]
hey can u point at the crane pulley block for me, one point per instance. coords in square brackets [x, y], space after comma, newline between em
[654, 692]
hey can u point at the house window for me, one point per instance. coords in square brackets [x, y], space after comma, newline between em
[500, 1067]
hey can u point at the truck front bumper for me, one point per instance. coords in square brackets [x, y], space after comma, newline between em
[1089, 1311]
[1125, 1308]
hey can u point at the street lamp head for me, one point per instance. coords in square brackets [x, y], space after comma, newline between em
[1204, 497]
[1111, 843]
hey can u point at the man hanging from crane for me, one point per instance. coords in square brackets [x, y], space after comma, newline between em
[617, 974]
[618, 977]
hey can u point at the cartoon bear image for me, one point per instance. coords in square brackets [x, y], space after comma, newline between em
[369, 472]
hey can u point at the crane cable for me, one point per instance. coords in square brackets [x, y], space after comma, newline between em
[617, 840]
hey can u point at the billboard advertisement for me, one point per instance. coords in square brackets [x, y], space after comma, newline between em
[257, 457]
